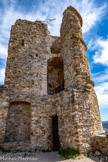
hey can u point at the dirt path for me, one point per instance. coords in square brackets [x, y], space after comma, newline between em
[41, 157]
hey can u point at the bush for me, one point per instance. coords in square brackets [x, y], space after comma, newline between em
[69, 152]
[85, 154]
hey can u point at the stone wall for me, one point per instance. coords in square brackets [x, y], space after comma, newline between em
[1, 88]
[77, 76]
[18, 127]
[4, 104]
[52, 74]
[101, 143]
[26, 69]
[74, 52]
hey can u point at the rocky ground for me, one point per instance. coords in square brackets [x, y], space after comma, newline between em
[49, 157]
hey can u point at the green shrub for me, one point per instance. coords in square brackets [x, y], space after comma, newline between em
[85, 154]
[69, 152]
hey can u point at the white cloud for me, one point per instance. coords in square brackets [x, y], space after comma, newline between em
[93, 44]
[100, 77]
[102, 94]
[100, 46]
[3, 51]
[101, 55]
[2, 73]
[101, 88]
[90, 14]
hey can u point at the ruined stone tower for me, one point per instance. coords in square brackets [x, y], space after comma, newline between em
[48, 100]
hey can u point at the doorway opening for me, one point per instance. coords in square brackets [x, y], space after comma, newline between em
[55, 135]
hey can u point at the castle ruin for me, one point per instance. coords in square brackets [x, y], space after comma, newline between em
[48, 100]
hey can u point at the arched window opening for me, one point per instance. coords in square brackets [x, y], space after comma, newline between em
[55, 75]
[18, 122]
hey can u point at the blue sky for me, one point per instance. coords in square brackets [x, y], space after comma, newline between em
[95, 30]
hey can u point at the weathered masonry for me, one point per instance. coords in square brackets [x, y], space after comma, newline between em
[48, 100]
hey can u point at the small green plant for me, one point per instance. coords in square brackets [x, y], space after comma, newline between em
[69, 152]
[85, 154]
[46, 150]
[75, 156]
[2, 149]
